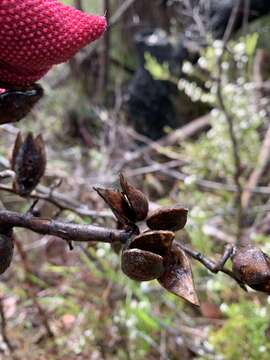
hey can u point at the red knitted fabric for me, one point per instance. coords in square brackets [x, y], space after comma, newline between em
[36, 34]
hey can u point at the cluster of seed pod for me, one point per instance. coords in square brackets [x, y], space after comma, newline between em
[152, 253]
[28, 162]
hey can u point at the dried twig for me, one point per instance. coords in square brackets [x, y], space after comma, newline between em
[175, 137]
[120, 12]
[66, 231]
[61, 201]
[212, 266]
[213, 185]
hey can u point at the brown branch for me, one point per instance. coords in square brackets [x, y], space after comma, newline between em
[88, 233]
[212, 266]
[61, 201]
[66, 231]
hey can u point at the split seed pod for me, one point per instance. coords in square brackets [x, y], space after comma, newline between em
[177, 277]
[136, 199]
[117, 203]
[6, 250]
[168, 218]
[15, 104]
[128, 206]
[28, 162]
[252, 266]
[143, 257]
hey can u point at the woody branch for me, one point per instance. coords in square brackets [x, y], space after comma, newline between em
[90, 233]
[66, 231]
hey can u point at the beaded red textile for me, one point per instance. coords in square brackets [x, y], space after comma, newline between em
[37, 34]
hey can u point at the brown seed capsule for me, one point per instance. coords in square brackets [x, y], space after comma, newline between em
[142, 258]
[168, 218]
[117, 203]
[158, 242]
[15, 104]
[136, 199]
[28, 162]
[6, 250]
[177, 277]
[15, 151]
[141, 265]
[252, 266]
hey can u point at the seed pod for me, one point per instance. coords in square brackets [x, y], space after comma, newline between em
[15, 151]
[6, 250]
[177, 277]
[142, 265]
[158, 242]
[252, 266]
[117, 203]
[142, 258]
[168, 218]
[28, 162]
[16, 104]
[136, 199]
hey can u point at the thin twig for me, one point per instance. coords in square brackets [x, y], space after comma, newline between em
[120, 12]
[211, 265]
[212, 185]
[61, 201]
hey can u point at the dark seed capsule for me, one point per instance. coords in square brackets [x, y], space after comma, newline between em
[158, 242]
[136, 199]
[16, 103]
[141, 265]
[28, 162]
[117, 203]
[252, 266]
[177, 277]
[6, 251]
[168, 218]
[142, 258]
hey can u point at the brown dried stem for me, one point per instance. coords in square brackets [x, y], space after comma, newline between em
[66, 231]
[88, 233]
[212, 266]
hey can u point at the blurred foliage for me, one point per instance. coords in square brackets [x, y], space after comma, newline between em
[245, 333]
